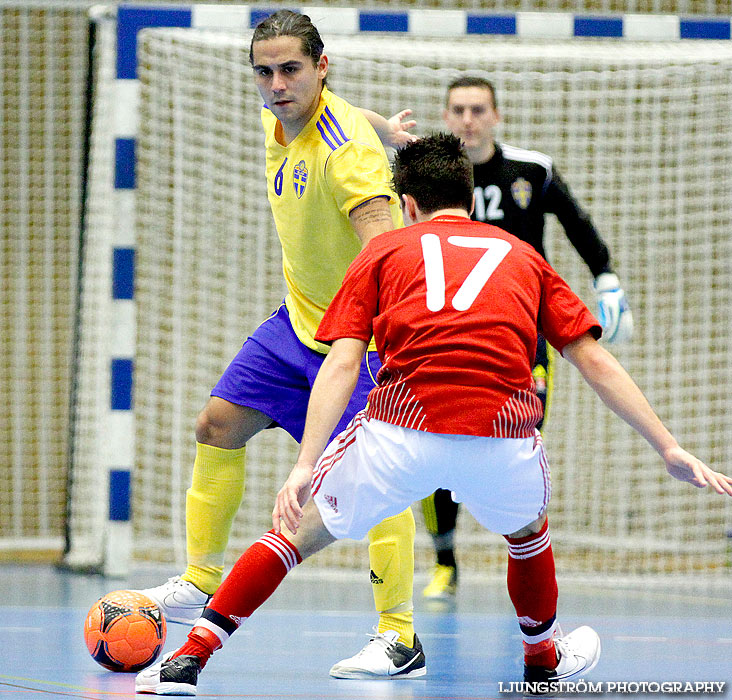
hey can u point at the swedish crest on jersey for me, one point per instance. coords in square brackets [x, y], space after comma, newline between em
[521, 192]
[300, 178]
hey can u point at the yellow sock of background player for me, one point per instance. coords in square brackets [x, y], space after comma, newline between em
[211, 503]
[391, 555]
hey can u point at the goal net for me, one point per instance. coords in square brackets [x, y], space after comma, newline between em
[43, 76]
[641, 133]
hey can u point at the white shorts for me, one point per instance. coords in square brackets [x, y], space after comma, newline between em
[373, 470]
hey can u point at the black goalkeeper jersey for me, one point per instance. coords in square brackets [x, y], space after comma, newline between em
[517, 187]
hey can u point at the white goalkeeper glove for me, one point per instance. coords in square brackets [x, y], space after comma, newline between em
[616, 318]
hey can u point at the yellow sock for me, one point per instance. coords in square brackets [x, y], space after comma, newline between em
[205, 578]
[391, 555]
[212, 501]
[399, 622]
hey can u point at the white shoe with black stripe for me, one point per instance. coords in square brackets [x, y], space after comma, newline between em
[383, 657]
[177, 676]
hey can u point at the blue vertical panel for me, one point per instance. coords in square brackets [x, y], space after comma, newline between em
[124, 164]
[123, 273]
[131, 19]
[122, 370]
[119, 495]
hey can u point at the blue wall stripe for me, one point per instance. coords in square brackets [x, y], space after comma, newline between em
[369, 21]
[123, 273]
[122, 370]
[491, 24]
[124, 164]
[598, 26]
[131, 19]
[704, 29]
[119, 494]
[257, 14]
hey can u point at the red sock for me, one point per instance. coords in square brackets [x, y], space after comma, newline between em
[201, 642]
[254, 578]
[532, 586]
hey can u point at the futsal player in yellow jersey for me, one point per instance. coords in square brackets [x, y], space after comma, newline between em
[328, 182]
[334, 165]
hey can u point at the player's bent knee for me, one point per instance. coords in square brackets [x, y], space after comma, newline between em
[211, 432]
[228, 426]
[312, 535]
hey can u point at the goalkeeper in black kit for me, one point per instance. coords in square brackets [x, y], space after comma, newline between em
[515, 189]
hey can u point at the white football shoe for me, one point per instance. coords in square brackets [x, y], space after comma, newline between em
[177, 676]
[578, 653]
[179, 600]
[383, 657]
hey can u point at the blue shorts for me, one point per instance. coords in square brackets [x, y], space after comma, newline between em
[274, 373]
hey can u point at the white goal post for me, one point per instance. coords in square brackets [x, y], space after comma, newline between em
[641, 132]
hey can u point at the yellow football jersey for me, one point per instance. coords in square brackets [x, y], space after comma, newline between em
[335, 164]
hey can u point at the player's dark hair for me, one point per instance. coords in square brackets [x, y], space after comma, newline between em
[289, 23]
[436, 171]
[468, 81]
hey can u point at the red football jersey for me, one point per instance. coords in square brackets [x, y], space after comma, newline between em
[454, 306]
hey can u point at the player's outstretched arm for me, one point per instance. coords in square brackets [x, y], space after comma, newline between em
[394, 131]
[329, 397]
[685, 467]
[621, 394]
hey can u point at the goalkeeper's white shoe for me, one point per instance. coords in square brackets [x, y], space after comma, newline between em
[180, 601]
[384, 657]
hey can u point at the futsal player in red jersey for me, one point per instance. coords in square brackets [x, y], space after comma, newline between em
[516, 189]
[454, 307]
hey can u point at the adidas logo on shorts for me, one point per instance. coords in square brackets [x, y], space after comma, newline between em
[332, 501]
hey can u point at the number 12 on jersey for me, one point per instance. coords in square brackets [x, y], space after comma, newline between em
[434, 268]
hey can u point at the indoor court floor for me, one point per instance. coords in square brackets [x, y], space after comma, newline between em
[652, 636]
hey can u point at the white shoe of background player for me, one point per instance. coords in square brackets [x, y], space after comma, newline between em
[179, 600]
